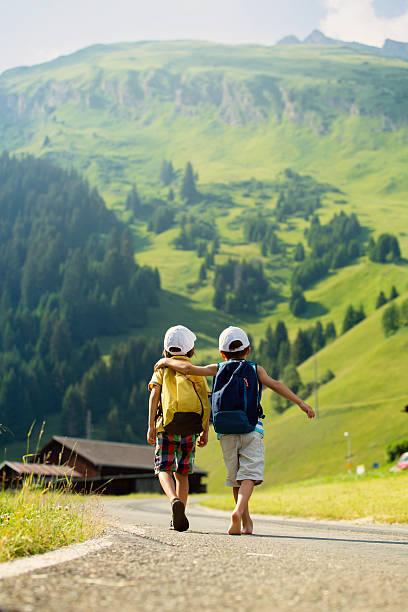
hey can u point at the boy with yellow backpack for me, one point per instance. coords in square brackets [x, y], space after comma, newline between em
[179, 412]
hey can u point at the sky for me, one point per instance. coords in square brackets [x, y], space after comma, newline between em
[35, 31]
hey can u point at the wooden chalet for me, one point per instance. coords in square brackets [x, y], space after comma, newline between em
[13, 472]
[113, 468]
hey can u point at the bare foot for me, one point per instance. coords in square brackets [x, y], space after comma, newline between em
[248, 526]
[235, 527]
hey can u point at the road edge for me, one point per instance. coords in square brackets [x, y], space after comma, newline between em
[10, 569]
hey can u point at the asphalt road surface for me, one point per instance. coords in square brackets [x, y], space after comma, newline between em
[287, 565]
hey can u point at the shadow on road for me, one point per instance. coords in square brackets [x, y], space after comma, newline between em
[287, 537]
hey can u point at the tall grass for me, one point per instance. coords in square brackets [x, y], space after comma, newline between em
[374, 497]
[41, 516]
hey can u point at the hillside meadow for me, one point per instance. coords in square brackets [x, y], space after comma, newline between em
[366, 398]
[115, 112]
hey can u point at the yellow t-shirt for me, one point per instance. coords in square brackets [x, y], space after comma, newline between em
[168, 380]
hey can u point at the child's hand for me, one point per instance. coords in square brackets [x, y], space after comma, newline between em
[307, 409]
[151, 435]
[160, 364]
[203, 439]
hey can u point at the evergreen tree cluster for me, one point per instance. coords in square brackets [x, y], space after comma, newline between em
[260, 229]
[275, 351]
[385, 250]
[240, 287]
[280, 357]
[333, 245]
[157, 212]
[382, 299]
[67, 274]
[167, 174]
[394, 318]
[115, 393]
[297, 302]
[194, 230]
[134, 204]
[352, 317]
[298, 196]
[188, 190]
[161, 219]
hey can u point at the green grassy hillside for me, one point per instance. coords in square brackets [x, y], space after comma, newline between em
[115, 112]
[366, 398]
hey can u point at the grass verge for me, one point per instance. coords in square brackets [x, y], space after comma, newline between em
[376, 497]
[35, 521]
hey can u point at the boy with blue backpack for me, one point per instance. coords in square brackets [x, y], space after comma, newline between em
[237, 416]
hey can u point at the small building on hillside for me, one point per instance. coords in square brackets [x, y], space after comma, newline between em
[113, 468]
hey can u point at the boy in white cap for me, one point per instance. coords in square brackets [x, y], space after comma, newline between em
[243, 451]
[178, 416]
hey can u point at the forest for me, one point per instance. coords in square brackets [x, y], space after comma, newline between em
[67, 275]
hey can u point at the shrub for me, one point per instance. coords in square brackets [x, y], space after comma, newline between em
[395, 449]
[390, 320]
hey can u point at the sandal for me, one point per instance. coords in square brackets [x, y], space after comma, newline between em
[180, 521]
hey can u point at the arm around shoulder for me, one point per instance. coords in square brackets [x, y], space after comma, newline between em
[185, 367]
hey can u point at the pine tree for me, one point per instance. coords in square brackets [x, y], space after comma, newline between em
[318, 338]
[360, 315]
[73, 413]
[281, 333]
[60, 343]
[166, 172]
[301, 348]
[349, 319]
[113, 425]
[299, 253]
[330, 333]
[202, 275]
[390, 320]
[188, 191]
[297, 304]
[291, 378]
[404, 313]
[133, 202]
[381, 300]
[284, 354]
[394, 293]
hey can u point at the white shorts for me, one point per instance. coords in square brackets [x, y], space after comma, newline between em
[244, 457]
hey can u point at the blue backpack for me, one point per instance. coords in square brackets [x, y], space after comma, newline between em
[236, 397]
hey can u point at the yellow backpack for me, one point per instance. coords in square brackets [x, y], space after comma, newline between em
[184, 405]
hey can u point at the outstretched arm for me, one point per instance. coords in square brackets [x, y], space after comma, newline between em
[284, 391]
[185, 367]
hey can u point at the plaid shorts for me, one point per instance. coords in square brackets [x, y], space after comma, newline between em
[174, 453]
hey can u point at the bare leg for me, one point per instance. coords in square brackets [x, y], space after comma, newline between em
[243, 494]
[247, 523]
[182, 487]
[168, 485]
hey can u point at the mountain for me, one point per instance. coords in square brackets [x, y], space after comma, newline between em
[268, 172]
[393, 48]
[390, 48]
[108, 109]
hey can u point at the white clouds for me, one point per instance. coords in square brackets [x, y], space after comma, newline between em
[357, 20]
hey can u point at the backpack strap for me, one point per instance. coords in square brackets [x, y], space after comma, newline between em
[260, 410]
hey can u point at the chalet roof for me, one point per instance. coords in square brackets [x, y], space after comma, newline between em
[112, 454]
[41, 469]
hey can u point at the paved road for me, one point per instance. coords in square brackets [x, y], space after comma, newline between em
[287, 565]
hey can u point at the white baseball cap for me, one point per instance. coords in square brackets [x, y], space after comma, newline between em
[179, 337]
[231, 334]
